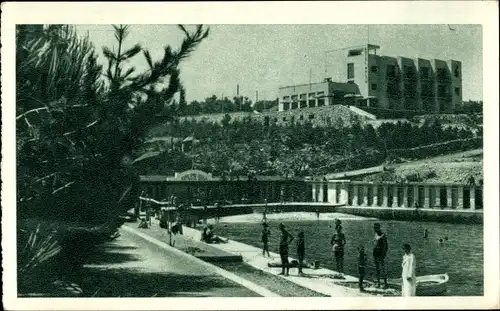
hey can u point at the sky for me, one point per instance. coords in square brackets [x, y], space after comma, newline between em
[261, 58]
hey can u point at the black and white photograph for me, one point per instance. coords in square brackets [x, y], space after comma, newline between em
[303, 159]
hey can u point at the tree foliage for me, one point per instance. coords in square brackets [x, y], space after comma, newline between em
[242, 146]
[78, 123]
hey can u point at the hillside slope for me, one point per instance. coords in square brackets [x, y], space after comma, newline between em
[451, 168]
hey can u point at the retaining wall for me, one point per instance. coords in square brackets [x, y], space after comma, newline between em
[446, 216]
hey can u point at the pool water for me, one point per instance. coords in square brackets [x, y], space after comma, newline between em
[461, 256]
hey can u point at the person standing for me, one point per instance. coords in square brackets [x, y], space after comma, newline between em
[409, 264]
[337, 223]
[379, 252]
[265, 239]
[301, 250]
[338, 242]
[285, 240]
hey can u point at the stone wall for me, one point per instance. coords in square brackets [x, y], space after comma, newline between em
[411, 214]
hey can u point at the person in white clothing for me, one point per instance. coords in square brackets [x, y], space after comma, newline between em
[409, 282]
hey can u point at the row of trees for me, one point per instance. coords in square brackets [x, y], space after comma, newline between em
[248, 146]
[213, 104]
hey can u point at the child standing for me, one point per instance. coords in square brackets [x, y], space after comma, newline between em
[265, 239]
[361, 266]
[300, 250]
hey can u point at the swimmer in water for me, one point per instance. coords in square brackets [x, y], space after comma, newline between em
[426, 233]
[446, 238]
[441, 241]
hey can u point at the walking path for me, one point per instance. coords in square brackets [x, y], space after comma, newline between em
[209, 267]
[136, 265]
[227, 261]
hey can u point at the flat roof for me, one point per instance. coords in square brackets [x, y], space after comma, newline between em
[335, 86]
[302, 84]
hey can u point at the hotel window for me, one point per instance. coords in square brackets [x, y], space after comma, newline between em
[374, 69]
[312, 103]
[321, 102]
[456, 72]
[286, 98]
[311, 95]
[350, 71]
[286, 106]
[391, 71]
[303, 100]
[321, 94]
[294, 105]
[424, 72]
[442, 74]
[443, 90]
[374, 86]
[409, 72]
[457, 91]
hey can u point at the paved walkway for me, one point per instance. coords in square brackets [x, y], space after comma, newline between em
[320, 280]
[136, 265]
[226, 261]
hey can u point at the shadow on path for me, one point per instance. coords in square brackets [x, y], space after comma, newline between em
[127, 283]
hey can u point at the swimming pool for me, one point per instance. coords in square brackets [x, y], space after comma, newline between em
[461, 256]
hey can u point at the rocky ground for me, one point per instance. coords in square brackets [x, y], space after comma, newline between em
[452, 168]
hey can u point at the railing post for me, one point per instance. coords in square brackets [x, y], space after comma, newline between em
[449, 197]
[416, 196]
[460, 198]
[343, 193]
[365, 196]
[395, 189]
[385, 194]
[313, 185]
[355, 195]
[320, 194]
[472, 197]
[427, 199]
[437, 202]
[405, 196]
[375, 195]
[332, 191]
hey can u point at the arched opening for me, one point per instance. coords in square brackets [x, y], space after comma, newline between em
[479, 199]
[443, 197]
[466, 198]
[390, 197]
[370, 195]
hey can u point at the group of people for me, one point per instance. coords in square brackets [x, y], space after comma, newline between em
[338, 243]
[208, 236]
